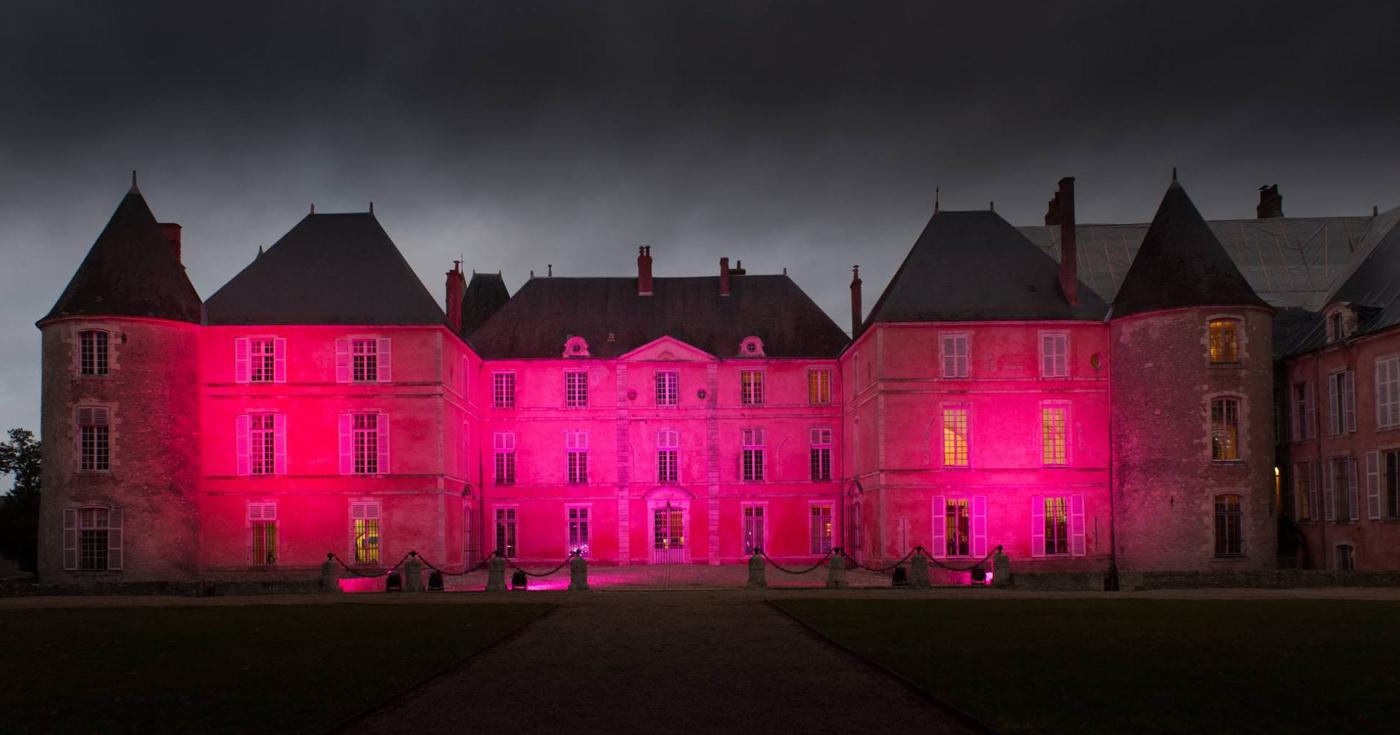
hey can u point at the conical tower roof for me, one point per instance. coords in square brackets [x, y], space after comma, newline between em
[1181, 263]
[132, 270]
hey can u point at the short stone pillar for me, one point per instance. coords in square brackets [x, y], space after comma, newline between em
[330, 574]
[496, 574]
[758, 573]
[578, 573]
[413, 573]
[1001, 569]
[918, 570]
[836, 572]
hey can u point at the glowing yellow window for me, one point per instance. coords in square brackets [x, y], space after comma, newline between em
[1224, 340]
[1054, 430]
[955, 436]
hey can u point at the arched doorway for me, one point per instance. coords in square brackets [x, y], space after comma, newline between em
[668, 514]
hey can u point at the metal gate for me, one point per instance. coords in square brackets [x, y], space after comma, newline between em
[668, 535]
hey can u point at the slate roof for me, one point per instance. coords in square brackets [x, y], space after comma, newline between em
[485, 294]
[131, 270]
[974, 266]
[1180, 264]
[329, 269]
[547, 311]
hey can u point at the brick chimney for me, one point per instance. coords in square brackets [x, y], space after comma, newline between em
[456, 287]
[1061, 211]
[724, 276]
[855, 300]
[172, 234]
[1270, 202]
[644, 270]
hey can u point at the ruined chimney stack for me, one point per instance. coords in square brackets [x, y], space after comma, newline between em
[172, 234]
[855, 300]
[724, 276]
[1270, 202]
[456, 288]
[1062, 208]
[644, 270]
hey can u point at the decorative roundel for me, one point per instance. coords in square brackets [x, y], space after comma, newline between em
[576, 347]
[751, 347]
[701, 394]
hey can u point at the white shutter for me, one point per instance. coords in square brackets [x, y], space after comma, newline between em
[279, 444]
[1334, 411]
[70, 538]
[1077, 544]
[1047, 356]
[1329, 505]
[240, 360]
[1373, 485]
[114, 538]
[262, 511]
[1314, 472]
[979, 526]
[382, 426]
[342, 360]
[347, 444]
[1037, 525]
[386, 361]
[1350, 379]
[279, 360]
[241, 440]
[940, 527]
[1353, 495]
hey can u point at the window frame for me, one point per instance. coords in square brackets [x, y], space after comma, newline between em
[503, 389]
[575, 387]
[99, 459]
[258, 513]
[1226, 401]
[748, 511]
[578, 531]
[1046, 356]
[966, 436]
[821, 443]
[576, 456]
[107, 547]
[370, 513]
[963, 360]
[668, 457]
[505, 522]
[819, 383]
[101, 358]
[1236, 325]
[752, 391]
[753, 455]
[667, 384]
[1065, 440]
[821, 541]
[503, 445]
[1387, 391]
[1229, 544]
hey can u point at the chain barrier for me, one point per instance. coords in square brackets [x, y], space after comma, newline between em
[527, 573]
[785, 570]
[931, 558]
[969, 567]
[881, 570]
[368, 575]
[479, 565]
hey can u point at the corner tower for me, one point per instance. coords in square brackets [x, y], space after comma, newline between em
[120, 410]
[1191, 405]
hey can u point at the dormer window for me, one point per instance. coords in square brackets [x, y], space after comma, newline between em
[1224, 341]
[576, 347]
[1339, 323]
[751, 347]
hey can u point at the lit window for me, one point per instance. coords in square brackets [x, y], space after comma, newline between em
[575, 388]
[262, 534]
[576, 445]
[364, 532]
[505, 532]
[667, 456]
[1229, 527]
[578, 530]
[1054, 355]
[1056, 526]
[668, 387]
[364, 365]
[1341, 402]
[92, 352]
[1388, 392]
[365, 435]
[754, 529]
[503, 390]
[821, 455]
[1054, 432]
[957, 519]
[752, 459]
[1224, 341]
[955, 436]
[94, 448]
[819, 386]
[505, 458]
[821, 531]
[751, 387]
[954, 353]
[1224, 429]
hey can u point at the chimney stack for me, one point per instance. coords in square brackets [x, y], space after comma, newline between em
[724, 276]
[1062, 212]
[1270, 202]
[172, 234]
[644, 270]
[456, 288]
[855, 300]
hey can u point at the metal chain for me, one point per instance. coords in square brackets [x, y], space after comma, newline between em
[369, 575]
[880, 570]
[562, 564]
[969, 567]
[785, 570]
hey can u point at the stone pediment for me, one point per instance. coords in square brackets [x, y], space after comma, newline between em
[667, 349]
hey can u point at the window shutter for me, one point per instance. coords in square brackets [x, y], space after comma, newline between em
[1314, 470]
[1329, 505]
[1373, 485]
[70, 538]
[342, 360]
[114, 538]
[1047, 356]
[940, 527]
[279, 444]
[1037, 525]
[279, 360]
[1334, 426]
[383, 428]
[347, 444]
[1078, 546]
[386, 361]
[1311, 391]
[1350, 399]
[240, 360]
[1353, 496]
[979, 526]
[241, 440]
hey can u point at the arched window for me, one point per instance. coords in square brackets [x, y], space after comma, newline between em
[1225, 429]
[1224, 341]
[1229, 526]
[1346, 558]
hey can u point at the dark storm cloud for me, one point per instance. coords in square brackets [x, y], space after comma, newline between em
[801, 135]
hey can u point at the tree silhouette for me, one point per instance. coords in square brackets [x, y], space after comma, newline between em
[19, 510]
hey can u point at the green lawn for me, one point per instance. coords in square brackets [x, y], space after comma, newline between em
[227, 669]
[1137, 666]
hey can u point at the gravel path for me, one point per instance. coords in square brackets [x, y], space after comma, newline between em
[649, 663]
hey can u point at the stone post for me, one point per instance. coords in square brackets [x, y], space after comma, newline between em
[836, 572]
[496, 574]
[1001, 569]
[918, 570]
[413, 573]
[330, 575]
[758, 573]
[578, 573]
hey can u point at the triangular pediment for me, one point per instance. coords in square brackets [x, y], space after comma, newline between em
[667, 349]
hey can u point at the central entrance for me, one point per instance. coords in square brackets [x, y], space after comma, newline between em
[670, 525]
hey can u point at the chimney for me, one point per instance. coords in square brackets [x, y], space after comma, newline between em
[1062, 208]
[1270, 202]
[724, 276]
[644, 270]
[172, 234]
[456, 288]
[855, 300]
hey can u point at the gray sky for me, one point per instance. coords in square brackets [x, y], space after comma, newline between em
[805, 135]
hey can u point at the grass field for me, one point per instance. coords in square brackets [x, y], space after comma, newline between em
[227, 669]
[1137, 666]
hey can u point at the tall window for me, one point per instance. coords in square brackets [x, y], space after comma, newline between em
[819, 386]
[365, 432]
[1054, 434]
[754, 529]
[262, 534]
[1054, 355]
[957, 522]
[1056, 525]
[751, 387]
[1390, 481]
[576, 388]
[578, 529]
[262, 432]
[1304, 494]
[364, 532]
[955, 436]
[505, 532]
[92, 352]
[364, 364]
[92, 539]
[1346, 558]
[1341, 402]
[821, 454]
[1229, 526]
[821, 529]
[1388, 392]
[668, 387]
[358, 360]
[954, 354]
[1224, 341]
[1340, 499]
[262, 360]
[505, 457]
[667, 456]
[576, 446]
[1302, 411]
[503, 390]
[1224, 429]
[94, 449]
[1336, 327]
[753, 455]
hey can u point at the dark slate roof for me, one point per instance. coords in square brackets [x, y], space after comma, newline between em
[547, 311]
[1181, 263]
[329, 269]
[974, 266]
[1372, 290]
[484, 295]
[131, 270]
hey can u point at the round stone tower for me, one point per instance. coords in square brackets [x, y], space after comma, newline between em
[120, 411]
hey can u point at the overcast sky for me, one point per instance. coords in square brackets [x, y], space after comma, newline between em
[805, 135]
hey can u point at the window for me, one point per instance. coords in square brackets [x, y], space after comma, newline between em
[1302, 411]
[751, 387]
[576, 446]
[364, 443]
[364, 532]
[92, 539]
[1346, 558]
[1229, 526]
[366, 437]
[752, 455]
[819, 386]
[1054, 434]
[1056, 526]
[1339, 491]
[1336, 327]
[504, 443]
[1388, 393]
[821, 454]
[261, 444]
[1304, 492]
[576, 389]
[959, 526]
[578, 529]
[955, 437]
[1224, 341]
[667, 457]
[755, 527]
[505, 532]
[668, 387]
[363, 360]
[365, 356]
[1224, 429]
[821, 531]
[94, 447]
[953, 348]
[92, 352]
[503, 390]
[1341, 402]
[262, 534]
[1054, 355]
[1390, 480]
